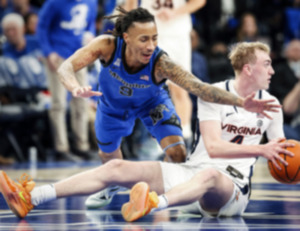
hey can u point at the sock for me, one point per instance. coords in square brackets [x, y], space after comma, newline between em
[43, 194]
[187, 131]
[162, 203]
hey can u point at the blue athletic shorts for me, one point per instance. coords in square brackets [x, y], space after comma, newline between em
[159, 117]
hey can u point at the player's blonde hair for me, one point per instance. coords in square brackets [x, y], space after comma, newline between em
[244, 52]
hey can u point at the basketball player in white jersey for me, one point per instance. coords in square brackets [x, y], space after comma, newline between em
[174, 25]
[215, 180]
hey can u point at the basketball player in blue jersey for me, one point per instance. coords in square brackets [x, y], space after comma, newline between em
[215, 180]
[132, 85]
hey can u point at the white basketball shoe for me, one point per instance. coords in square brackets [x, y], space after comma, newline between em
[102, 198]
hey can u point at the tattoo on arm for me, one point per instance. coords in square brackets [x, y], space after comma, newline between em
[66, 76]
[166, 68]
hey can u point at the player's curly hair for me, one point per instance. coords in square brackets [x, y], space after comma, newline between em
[126, 18]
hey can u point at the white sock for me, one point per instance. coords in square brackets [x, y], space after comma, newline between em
[43, 194]
[162, 203]
[187, 131]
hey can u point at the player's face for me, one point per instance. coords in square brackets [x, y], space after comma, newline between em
[262, 70]
[141, 40]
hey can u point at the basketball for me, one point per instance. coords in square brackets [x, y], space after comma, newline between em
[288, 174]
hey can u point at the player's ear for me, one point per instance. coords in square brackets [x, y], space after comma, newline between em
[247, 69]
[125, 37]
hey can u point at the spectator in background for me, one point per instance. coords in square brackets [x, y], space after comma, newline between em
[25, 93]
[64, 26]
[285, 80]
[199, 64]
[219, 67]
[248, 30]
[286, 74]
[17, 43]
[22, 7]
[291, 106]
[292, 19]
[31, 20]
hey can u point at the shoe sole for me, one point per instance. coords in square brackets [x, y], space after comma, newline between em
[9, 195]
[138, 204]
[96, 204]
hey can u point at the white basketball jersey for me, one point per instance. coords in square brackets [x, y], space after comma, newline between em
[238, 126]
[180, 25]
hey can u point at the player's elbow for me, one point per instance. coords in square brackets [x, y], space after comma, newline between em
[212, 151]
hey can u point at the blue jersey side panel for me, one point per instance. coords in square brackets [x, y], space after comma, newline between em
[122, 90]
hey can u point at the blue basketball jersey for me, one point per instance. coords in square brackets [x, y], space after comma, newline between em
[123, 90]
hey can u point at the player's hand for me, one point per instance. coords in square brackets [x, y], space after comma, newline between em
[165, 14]
[275, 147]
[85, 92]
[260, 106]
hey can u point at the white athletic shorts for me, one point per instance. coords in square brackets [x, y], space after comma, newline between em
[174, 174]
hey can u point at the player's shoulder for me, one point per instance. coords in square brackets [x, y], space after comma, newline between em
[221, 84]
[266, 95]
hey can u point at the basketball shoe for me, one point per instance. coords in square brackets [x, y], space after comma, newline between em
[17, 195]
[140, 203]
[102, 198]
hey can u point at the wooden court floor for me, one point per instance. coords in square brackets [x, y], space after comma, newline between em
[273, 206]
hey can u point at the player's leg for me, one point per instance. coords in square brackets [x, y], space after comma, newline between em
[163, 123]
[105, 196]
[174, 149]
[208, 187]
[109, 130]
[115, 172]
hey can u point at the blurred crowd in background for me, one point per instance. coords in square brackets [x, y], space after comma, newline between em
[27, 116]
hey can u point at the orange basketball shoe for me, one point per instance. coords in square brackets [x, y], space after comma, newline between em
[141, 202]
[17, 195]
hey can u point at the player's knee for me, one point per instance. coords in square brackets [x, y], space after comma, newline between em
[210, 177]
[207, 177]
[108, 156]
[114, 164]
[176, 154]
[113, 169]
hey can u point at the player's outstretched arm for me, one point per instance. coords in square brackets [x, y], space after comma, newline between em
[166, 68]
[99, 48]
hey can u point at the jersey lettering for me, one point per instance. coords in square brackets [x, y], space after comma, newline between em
[241, 130]
[237, 139]
[126, 91]
[78, 21]
[164, 3]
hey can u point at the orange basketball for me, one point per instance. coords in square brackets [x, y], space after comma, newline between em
[288, 174]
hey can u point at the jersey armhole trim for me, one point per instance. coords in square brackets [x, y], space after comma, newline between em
[153, 69]
[112, 56]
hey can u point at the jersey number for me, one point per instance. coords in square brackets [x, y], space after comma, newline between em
[237, 139]
[165, 3]
[126, 91]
